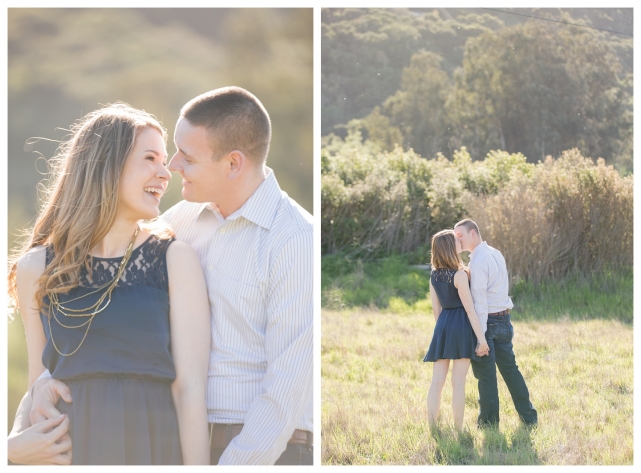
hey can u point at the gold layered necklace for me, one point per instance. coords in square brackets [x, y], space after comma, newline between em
[92, 310]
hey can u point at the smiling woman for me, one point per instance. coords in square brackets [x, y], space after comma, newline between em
[93, 286]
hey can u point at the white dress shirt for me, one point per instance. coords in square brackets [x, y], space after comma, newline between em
[489, 282]
[258, 265]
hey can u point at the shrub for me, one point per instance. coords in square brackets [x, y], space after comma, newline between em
[558, 216]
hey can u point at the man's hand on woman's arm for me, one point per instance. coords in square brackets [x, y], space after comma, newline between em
[45, 443]
[46, 393]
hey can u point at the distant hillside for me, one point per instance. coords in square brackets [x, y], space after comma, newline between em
[438, 79]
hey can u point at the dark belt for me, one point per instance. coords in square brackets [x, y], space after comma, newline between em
[221, 434]
[503, 312]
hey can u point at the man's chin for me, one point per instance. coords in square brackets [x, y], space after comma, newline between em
[189, 196]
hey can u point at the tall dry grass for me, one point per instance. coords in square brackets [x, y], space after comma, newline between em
[569, 216]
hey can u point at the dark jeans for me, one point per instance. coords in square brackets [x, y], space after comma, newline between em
[294, 454]
[499, 338]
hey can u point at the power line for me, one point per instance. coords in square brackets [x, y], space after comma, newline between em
[557, 21]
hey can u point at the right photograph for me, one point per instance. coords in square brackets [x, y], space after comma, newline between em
[477, 236]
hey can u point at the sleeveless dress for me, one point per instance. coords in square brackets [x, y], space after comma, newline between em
[453, 335]
[120, 378]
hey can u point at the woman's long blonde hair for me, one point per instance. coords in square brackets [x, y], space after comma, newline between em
[444, 253]
[80, 200]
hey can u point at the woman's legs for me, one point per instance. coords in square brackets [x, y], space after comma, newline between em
[439, 375]
[459, 372]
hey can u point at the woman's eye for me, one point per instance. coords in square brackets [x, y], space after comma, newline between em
[151, 158]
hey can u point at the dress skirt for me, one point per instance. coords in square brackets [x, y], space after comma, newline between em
[122, 421]
[453, 337]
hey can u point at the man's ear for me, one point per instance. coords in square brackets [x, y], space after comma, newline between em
[237, 162]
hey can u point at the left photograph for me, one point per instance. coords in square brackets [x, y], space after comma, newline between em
[160, 236]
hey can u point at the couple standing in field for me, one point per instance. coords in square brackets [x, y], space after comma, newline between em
[472, 311]
[187, 340]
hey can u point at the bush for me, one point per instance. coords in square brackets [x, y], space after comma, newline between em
[558, 216]
[569, 216]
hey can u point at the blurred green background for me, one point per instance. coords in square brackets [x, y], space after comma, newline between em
[63, 63]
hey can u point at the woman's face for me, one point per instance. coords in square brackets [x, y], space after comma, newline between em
[144, 177]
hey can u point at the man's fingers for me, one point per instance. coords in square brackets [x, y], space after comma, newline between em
[48, 412]
[59, 431]
[36, 417]
[49, 424]
[62, 459]
[61, 447]
[62, 390]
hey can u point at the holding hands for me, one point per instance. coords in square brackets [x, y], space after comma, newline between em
[482, 348]
[44, 443]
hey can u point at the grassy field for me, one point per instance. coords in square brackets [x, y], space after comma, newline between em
[573, 344]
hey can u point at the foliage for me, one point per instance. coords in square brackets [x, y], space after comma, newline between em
[448, 78]
[541, 89]
[569, 216]
[549, 219]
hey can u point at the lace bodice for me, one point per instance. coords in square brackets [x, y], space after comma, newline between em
[443, 283]
[146, 266]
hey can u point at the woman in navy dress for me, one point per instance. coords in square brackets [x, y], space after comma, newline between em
[112, 305]
[457, 334]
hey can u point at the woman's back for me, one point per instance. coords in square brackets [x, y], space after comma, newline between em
[443, 283]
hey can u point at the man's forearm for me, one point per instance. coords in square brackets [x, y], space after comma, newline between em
[21, 420]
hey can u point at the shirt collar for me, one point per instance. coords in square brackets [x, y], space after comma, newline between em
[479, 246]
[261, 206]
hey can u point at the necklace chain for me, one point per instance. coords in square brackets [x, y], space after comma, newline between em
[93, 309]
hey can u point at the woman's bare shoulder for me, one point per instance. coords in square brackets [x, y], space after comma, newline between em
[32, 263]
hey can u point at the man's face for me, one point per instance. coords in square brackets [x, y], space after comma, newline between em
[464, 237]
[203, 178]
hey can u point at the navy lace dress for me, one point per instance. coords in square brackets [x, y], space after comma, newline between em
[453, 335]
[120, 378]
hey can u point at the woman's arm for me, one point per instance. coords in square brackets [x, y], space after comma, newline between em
[30, 268]
[462, 284]
[190, 346]
[436, 304]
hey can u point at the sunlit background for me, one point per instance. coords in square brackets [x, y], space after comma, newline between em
[63, 63]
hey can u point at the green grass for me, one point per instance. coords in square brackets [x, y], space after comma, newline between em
[573, 343]
[351, 283]
[392, 285]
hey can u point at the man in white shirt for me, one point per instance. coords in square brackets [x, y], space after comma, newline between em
[256, 248]
[489, 286]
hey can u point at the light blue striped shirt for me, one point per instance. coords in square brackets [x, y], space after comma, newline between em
[258, 265]
[489, 283]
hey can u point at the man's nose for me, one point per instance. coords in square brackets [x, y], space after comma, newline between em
[174, 163]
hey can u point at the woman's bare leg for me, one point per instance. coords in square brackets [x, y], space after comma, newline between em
[459, 372]
[439, 376]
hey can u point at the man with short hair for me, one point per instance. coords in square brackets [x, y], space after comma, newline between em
[256, 248]
[489, 287]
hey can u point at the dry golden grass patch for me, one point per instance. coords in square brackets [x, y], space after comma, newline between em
[374, 388]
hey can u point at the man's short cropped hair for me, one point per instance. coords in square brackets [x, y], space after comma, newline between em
[235, 120]
[469, 225]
